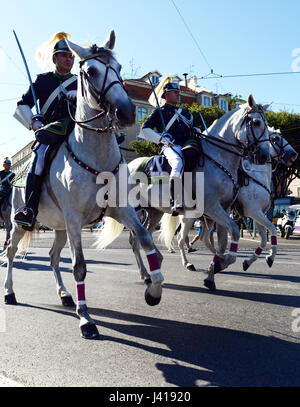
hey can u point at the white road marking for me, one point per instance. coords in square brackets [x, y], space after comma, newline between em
[5, 382]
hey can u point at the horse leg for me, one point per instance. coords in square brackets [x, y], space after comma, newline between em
[8, 229]
[128, 217]
[263, 242]
[263, 223]
[58, 244]
[186, 224]
[221, 217]
[10, 252]
[150, 223]
[86, 324]
[222, 244]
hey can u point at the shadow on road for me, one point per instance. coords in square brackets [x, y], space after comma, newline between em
[201, 353]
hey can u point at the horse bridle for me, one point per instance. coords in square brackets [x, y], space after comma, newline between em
[251, 148]
[98, 96]
[280, 149]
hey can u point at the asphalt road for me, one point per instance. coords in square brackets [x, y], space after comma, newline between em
[246, 333]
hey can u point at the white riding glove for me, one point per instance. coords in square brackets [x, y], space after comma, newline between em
[166, 139]
[71, 94]
[36, 125]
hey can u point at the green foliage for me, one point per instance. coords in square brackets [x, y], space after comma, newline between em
[289, 125]
[209, 114]
[145, 148]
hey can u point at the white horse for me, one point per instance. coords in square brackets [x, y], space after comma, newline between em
[70, 196]
[239, 132]
[254, 200]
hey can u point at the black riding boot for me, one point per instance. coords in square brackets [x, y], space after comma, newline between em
[175, 198]
[27, 214]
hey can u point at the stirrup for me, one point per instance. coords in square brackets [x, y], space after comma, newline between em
[25, 212]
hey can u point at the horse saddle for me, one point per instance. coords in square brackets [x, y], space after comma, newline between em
[156, 168]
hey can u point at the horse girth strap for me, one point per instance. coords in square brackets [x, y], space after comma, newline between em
[87, 167]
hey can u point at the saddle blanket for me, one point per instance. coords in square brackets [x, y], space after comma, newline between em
[156, 168]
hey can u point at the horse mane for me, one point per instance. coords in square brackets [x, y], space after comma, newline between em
[217, 125]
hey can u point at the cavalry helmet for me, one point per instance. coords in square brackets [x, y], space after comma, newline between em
[7, 161]
[169, 87]
[61, 46]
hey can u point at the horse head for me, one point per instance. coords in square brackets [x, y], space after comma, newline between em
[100, 86]
[281, 151]
[251, 128]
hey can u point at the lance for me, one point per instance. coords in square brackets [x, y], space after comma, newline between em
[158, 106]
[204, 123]
[28, 75]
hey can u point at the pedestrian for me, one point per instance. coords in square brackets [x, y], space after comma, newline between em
[6, 177]
[52, 126]
[174, 128]
[197, 237]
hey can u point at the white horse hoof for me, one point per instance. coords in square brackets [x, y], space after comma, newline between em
[191, 267]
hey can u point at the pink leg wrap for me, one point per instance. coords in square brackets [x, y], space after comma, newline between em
[274, 240]
[216, 257]
[233, 247]
[80, 291]
[153, 261]
[258, 251]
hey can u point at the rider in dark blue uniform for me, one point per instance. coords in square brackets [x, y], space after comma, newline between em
[174, 127]
[6, 177]
[51, 127]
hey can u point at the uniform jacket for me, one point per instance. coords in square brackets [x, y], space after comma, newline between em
[44, 85]
[180, 130]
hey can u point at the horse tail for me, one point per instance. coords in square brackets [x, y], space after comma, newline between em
[108, 233]
[23, 246]
[24, 243]
[168, 226]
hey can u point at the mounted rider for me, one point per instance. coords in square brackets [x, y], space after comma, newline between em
[174, 128]
[6, 177]
[53, 124]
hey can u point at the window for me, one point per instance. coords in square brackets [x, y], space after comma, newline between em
[142, 112]
[223, 104]
[298, 191]
[206, 100]
[154, 79]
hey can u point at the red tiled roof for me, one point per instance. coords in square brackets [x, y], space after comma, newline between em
[138, 92]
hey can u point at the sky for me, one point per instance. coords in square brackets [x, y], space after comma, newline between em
[232, 37]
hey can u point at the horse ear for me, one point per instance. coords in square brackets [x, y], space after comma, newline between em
[81, 52]
[110, 41]
[251, 101]
[266, 107]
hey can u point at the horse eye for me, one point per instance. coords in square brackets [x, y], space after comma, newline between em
[91, 71]
[256, 122]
